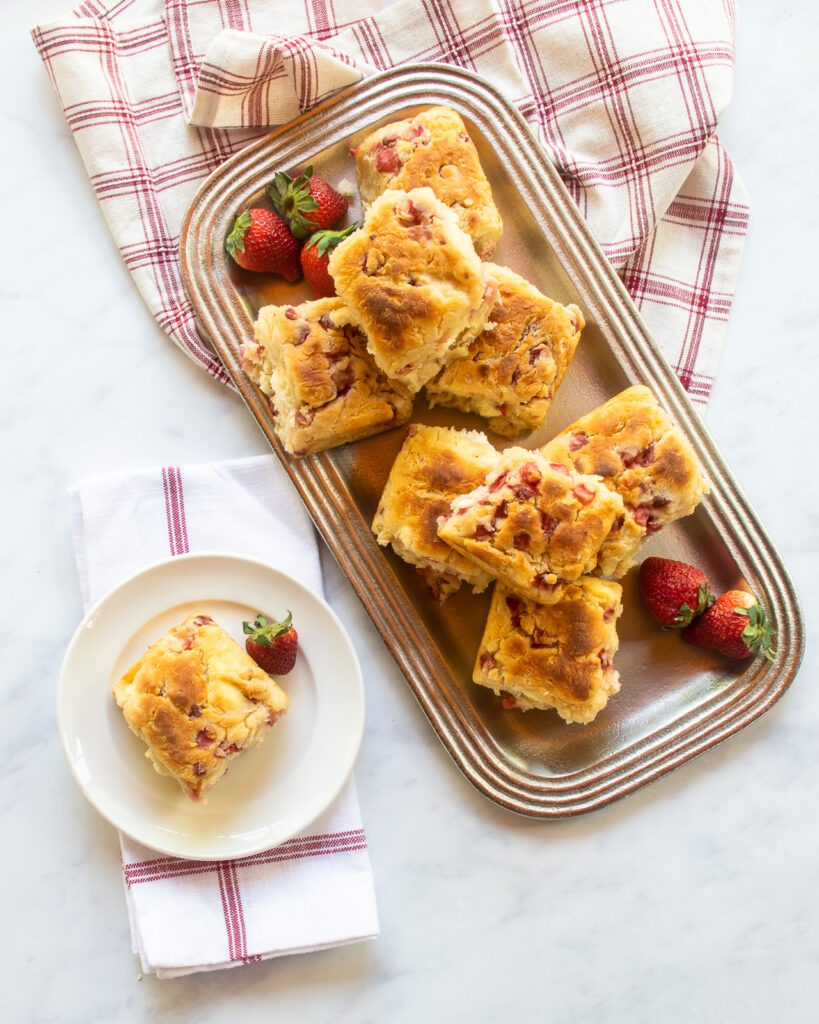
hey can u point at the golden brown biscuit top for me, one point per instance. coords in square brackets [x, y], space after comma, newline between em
[197, 698]
[533, 522]
[409, 269]
[434, 149]
[560, 649]
[631, 442]
[524, 352]
[435, 465]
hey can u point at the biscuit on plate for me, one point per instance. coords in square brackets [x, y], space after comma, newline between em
[197, 699]
[631, 443]
[432, 148]
[516, 364]
[557, 656]
[412, 281]
[323, 385]
[533, 526]
[434, 466]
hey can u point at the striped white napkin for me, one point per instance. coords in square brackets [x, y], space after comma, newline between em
[312, 892]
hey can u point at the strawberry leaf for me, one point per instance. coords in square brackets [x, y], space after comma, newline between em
[235, 241]
[759, 634]
[326, 241]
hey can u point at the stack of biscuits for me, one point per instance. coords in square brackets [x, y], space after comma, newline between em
[419, 307]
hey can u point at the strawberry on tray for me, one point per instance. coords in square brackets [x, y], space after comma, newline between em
[308, 203]
[261, 241]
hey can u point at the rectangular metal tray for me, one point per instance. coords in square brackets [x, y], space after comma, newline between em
[675, 702]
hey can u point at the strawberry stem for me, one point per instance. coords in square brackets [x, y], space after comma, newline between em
[235, 241]
[758, 636]
[263, 632]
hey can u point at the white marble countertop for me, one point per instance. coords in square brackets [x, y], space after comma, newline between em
[694, 899]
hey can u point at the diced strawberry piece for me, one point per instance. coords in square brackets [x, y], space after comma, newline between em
[501, 512]
[273, 717]
[578, 440]
[515, 606]
[535, 354]
[290, 313]
[585, 495]
[304, 419]
[482, 531]
[498, 482]
[523, 493]
[202, 620]
[640, 515]
[414, 131]
[558, 467]
[521, 541]
[204, 738]
[195, 711]
[642, 458]
[548, 524]
[487, 661]
[530, 474]
[509, 703]
[198, 768]
[608, 614]
[605, 658]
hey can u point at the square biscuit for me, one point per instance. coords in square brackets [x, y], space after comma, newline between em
[533, 526]
[432, 149]
[323, 385]
[512, 371]
[557, 656]
[631, 443]
[434, 466]
[197, 700]
[413, 283]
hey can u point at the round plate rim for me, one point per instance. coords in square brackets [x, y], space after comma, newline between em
[316, 807]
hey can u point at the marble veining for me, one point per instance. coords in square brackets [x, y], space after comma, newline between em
[693, 900]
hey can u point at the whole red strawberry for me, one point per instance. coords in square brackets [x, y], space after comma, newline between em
[272, 645]
[735, 625]
[316, 255]
[307, 203]
[261, 241]
[674, 592]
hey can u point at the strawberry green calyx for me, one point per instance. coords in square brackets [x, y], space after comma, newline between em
[291, 199]
[687, 614]
[262, 631]
[326, 241]
[235, 241]
[758, 636]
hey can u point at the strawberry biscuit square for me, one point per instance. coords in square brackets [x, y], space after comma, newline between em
[413, 283]
[197, 700]
[433, 149]
[435, 465]
[323, 385]
[632, 445]
[534, 526]
[553, 656]
[516, 364]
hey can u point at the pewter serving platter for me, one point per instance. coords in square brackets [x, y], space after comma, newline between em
[675, 702]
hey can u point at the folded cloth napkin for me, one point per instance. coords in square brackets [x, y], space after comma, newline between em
[624, 95]
[312, 892]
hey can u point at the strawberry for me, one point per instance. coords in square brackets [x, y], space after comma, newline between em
[307, 203]
[675, 593]
[735, 625]
[316, 255]
[261, 241]
[272, 645]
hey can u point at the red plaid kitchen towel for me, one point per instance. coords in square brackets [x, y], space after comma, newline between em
[312, 892]
[625, 96]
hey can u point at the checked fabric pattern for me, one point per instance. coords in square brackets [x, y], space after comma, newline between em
[624, 95]
[312, 892]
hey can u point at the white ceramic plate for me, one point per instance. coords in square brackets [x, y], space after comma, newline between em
[271, 792]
